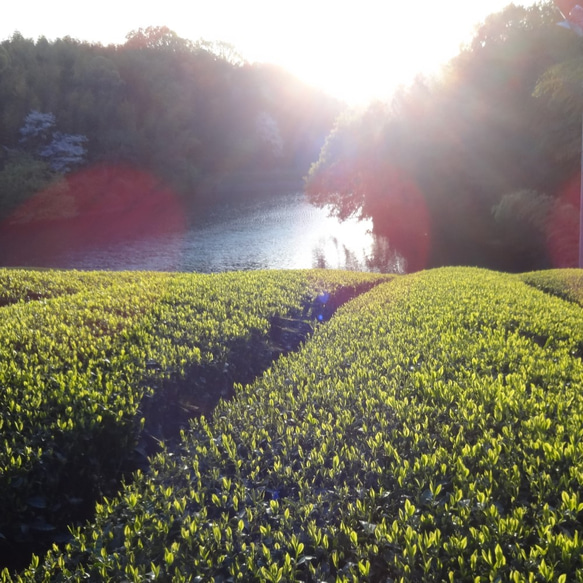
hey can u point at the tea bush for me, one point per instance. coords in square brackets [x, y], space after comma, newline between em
[26, 285]
[431, 431]
[88, 360]
[564, 283]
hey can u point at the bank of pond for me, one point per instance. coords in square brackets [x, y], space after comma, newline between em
[263, 230]
[307, 425]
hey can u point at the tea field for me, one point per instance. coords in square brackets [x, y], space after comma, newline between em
[96, 369]
[430, 430]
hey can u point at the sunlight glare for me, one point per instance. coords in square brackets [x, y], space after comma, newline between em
[356, 51]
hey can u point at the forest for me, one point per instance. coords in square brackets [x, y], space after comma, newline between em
[189, 114]
[477, 165]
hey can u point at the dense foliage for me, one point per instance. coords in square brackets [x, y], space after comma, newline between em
[188, 113]
[431, 431]
[94, 364]
[478, 166]
[564, 283]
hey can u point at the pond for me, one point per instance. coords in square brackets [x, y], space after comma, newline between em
[282, 231]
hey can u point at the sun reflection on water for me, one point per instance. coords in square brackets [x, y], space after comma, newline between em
[274, 232]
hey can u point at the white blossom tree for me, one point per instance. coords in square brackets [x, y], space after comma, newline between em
[61, 151]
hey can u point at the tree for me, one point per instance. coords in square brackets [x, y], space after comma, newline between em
[61, 151]
[451, 147]
[559, 90]
[349, 163]
[157, 37]
[20, 178]
[222, 50]
[538, 229]
[187, 112]
[4, 59]
[363, 171]
[38, 166]
[523, 220]
[36, 131]
[64, 152]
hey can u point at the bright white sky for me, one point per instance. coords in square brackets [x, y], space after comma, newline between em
[356, 50]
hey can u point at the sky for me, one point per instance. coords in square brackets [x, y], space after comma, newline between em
[355, 50]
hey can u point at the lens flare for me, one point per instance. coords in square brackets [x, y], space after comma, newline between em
[97, 206]
[563, 225]
[400, 213]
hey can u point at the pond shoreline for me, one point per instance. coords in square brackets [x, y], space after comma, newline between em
[259, 228]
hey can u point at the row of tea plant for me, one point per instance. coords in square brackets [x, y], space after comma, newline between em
[96, 368]
[432, 430]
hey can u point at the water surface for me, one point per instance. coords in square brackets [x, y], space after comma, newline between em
[262, 232]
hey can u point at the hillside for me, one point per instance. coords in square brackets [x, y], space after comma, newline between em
[431, 430]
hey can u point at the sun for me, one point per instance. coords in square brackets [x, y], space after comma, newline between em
[354, 50]
[358, 51]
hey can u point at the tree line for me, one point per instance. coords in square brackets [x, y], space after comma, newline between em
[479, 165]
[476, 166]
[188, 112]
